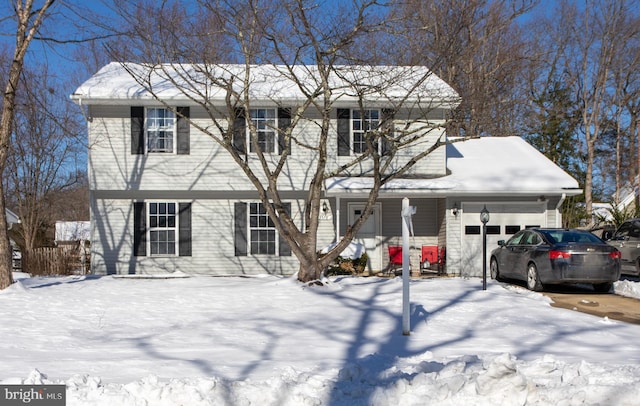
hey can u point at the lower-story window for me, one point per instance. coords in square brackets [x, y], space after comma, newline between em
[255, 232]
[262, 230]
[162, 228]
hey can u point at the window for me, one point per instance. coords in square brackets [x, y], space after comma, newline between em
[511, 229]
[162, 228]
[255, 233]
[160, 128]
[495, 230]
[262, 231]
[472, 230]
[363, 121]
[265, 123]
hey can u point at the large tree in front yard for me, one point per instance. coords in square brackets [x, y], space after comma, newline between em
[28, 17]
[307, 51]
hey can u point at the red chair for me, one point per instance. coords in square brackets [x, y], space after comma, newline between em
[395, 258]
[429, 256]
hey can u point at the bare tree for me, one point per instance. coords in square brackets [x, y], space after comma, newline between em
[594, 36]
[476, 47]
[44, 144]
[308, 48]
[28, 19]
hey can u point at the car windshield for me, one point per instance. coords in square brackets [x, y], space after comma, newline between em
[558, 236]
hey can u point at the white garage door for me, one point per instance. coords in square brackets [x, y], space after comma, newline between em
[505, 220]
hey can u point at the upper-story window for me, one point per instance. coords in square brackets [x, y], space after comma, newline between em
[354, 126]
[270, 126]
[265, 123]
[363, 121]
[160, 130]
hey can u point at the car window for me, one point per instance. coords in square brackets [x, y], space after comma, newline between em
[535, 239]
[515, 240]
[553, 236]
[530, 238]
[623, 231]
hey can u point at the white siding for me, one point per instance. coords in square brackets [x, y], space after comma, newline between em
[212, 243]
[208, 166]
[210, 179]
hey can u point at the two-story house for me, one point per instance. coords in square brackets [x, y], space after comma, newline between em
[166, 196]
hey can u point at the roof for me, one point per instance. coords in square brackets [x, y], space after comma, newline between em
[12, 218]
[116, 83]
[479, 166]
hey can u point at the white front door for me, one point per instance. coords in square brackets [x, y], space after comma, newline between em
[369, 234]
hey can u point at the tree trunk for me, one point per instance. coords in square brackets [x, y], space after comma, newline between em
[24, 35]
[309, 271]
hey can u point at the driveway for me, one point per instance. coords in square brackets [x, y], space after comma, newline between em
[586, 300]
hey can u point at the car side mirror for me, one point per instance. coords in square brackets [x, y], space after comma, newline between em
[607, 235]
[501, 243]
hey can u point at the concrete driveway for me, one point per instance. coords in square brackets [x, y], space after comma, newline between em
[585, 300]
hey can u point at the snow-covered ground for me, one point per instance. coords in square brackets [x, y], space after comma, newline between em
[271, 341]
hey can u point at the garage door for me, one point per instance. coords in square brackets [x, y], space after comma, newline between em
[505, 220]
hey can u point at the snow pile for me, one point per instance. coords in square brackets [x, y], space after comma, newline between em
[272, 341]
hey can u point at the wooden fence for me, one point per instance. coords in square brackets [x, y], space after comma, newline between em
[65, 259]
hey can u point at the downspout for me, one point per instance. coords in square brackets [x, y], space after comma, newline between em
[337, 219]
[558, 219]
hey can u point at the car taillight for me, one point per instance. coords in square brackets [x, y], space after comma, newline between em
[615, 255]
[553, 254]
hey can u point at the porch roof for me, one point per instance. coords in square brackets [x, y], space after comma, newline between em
[497, 166]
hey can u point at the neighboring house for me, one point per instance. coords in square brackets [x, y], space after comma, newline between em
[16, 255]
[181, 203]
[72, 231]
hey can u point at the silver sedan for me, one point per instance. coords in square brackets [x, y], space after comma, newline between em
[548, 256]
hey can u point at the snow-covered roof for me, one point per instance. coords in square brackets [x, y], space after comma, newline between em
[12, 218]
[119, 82]
[481, 166]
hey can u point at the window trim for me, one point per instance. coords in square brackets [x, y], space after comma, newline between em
[243, 229]
[175, 228]
[184, 227]
[365, 119]
[270, 227]
[173, 128]
[272, 129]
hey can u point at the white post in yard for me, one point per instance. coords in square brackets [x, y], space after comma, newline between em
[407, 212]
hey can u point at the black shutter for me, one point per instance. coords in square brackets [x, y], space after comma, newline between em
[283, 248]
[284, 121]
[137, 130]
[344, 136]
[184, 231]
[240, 228]
[388, 131]
[240, 131]
[184, 141]
[139, 229]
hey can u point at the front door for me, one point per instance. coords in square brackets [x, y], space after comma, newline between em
[369, 234]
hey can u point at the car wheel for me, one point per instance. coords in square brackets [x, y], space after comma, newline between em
[495, 273]
[602, 287]
[533, 280]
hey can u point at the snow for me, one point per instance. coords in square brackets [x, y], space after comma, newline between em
[272, 341]
[473, 168]
[120, 82]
